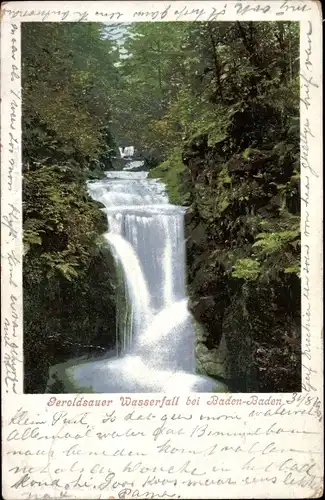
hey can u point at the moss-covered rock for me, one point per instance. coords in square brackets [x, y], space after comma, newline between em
[243, 246]
[170, 172]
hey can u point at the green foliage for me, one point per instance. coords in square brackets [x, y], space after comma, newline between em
[66, 104]
[68, 276]
[61, 223]
[180, 79]
[248, 153]
[149, 78]
[247, 269]
[275, 242]
[170, 172]
[275, 251]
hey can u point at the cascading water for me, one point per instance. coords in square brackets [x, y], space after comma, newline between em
[146, 236]
[127, 151]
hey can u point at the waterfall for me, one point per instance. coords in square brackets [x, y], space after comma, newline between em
[128, 151]
[156, 334]
[146, 235]
[135, 282]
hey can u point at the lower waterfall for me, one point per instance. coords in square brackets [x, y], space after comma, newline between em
[155, 333]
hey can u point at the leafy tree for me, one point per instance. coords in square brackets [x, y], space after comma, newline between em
[68, 276]
[66, 92]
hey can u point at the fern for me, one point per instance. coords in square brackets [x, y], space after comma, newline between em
[247, 269]
[274, 242]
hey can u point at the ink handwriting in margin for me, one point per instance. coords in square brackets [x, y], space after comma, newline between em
[193, 14]
[293, 7]
[308, 83]
[11, 220]
[14, 103]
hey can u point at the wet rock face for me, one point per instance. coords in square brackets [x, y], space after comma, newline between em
[252, 324]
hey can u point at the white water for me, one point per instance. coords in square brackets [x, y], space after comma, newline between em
[126, 152]
[146, 236]
[136, 284]
[134, 164]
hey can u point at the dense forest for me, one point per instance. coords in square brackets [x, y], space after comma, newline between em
[214, 110]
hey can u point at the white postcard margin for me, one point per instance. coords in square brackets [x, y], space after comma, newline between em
[174, 446]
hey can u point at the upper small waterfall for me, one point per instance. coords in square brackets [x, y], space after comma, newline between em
[128, 152]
